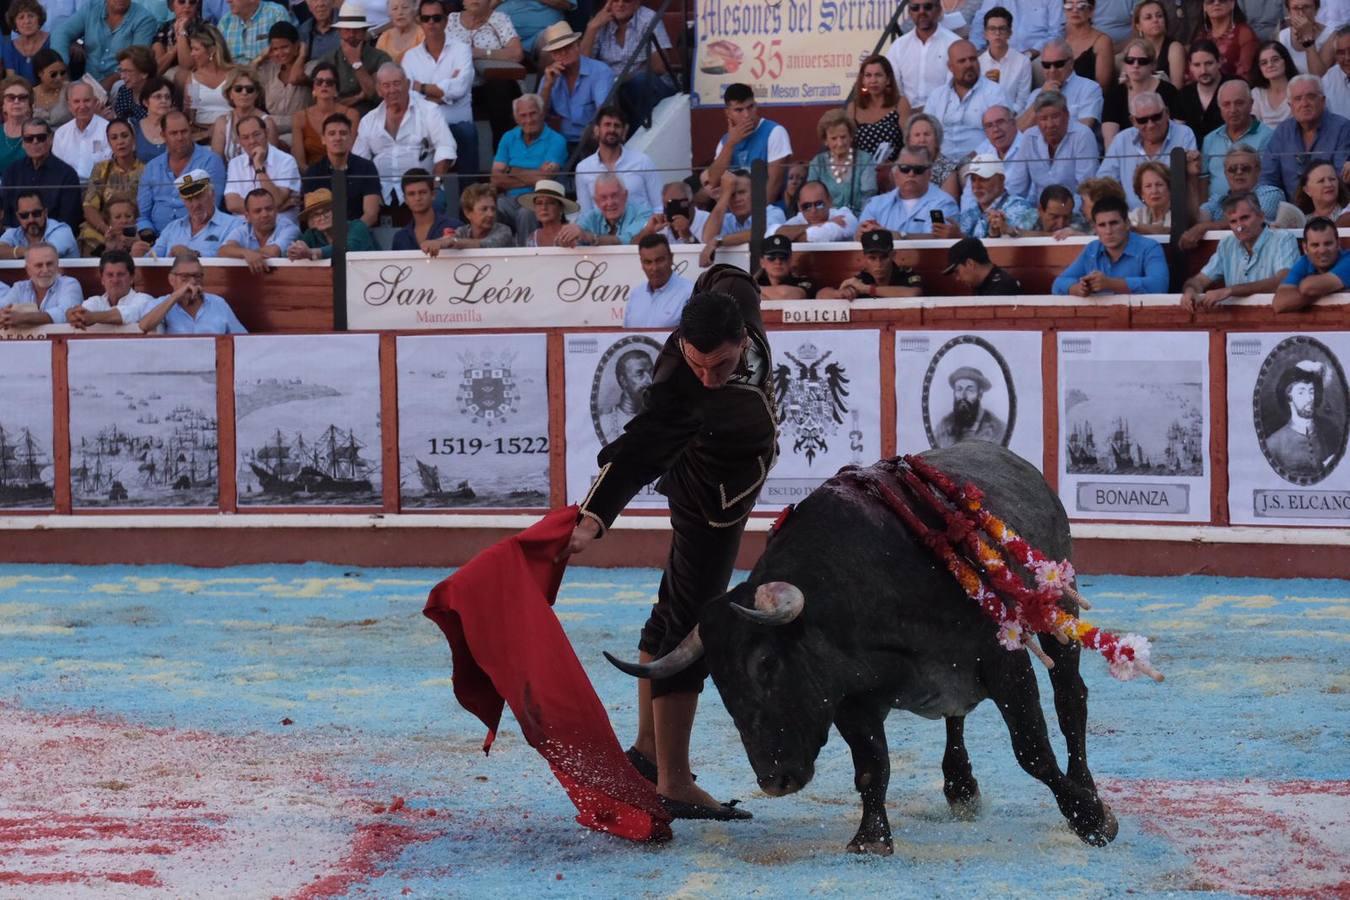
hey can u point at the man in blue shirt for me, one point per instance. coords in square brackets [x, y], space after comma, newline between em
[107, 27]
[574, 87]
[202, 230]
[1083, 94]
[750, 137]
[157, 198]
[658, 301]
[613, 220]
[45, 288]
[1153, 138]
[1254, 259]
[730, 221]
[260, 235]
[1057, 150]
[56, 181]
[529, 153]
[187, 309]
[1118, 262]
[245, 28]
[1323, 270]
[1239, 127]
[1310, 132]
[909, 210]
[35, 227]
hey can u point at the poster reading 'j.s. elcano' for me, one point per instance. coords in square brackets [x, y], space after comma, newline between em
[1287, 425]
[1134, 425]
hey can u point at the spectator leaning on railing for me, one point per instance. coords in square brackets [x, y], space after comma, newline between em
[261, 235]
[1253, 259]
[613, 219]
[120, 303]
[1118, 261]
[425, 224]
[35, 227]
[775, 278]
[44, 296]
[316, 241]
[187, 308]
[478, 204]
[818, 222]
[1323, 269]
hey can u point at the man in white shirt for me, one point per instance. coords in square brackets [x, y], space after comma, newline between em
[1336, 81]
[261, 165]
[680, 221]
[83, 140]
[817, 222]
[402, 133]
[658, 301]
[960, 103]
[1057, 149]
[1084, 95]
[119, 304]
[634, 168]
[1037, 21]
[919, 59]
[44, 296]
[441, 70]
[1010, 69]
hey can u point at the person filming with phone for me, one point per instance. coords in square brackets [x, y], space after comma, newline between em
[914, 206]
[676, 219]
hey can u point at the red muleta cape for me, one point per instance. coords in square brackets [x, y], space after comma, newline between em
[507, 646]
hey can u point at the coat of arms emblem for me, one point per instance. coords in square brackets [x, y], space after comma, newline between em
[812, 400]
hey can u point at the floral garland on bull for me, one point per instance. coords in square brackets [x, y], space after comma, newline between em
[978, 548]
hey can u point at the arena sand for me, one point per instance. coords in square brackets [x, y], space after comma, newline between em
[290, 731]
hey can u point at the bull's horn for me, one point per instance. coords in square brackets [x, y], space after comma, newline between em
[776, 603]
[674, 662]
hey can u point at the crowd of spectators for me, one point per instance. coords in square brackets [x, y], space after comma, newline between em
[214, 128]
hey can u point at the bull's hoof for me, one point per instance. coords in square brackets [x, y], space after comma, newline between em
[1101, 832]
[965, 808]
[877, 847]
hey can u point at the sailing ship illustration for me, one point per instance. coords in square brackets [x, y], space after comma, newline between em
[1082, 446]
[332, 464]
[1126, 454]
[431, 484]
[22, 460]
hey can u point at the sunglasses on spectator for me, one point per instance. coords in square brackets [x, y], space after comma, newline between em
[922, 7]
[1054, 63]
[1138, 60]
[1238, 168]
[36, 138]
[55, 73]
[434, 17]
[245, 89]
[817, 204]
[908, 169]
[30, 214]
[16, 96]
[1149, 120]
[1077, 7]
[321, 82]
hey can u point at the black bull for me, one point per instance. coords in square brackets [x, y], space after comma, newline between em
[847, 616]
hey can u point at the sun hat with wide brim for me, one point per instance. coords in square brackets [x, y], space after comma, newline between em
[316, 202]
[553, 191]
[351, 15]
[557, 36]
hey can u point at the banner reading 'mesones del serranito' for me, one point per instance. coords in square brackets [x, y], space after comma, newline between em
[791, 52]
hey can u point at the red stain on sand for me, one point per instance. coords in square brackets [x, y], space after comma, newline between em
[375, 846]
[1262, 838]
[140, 878]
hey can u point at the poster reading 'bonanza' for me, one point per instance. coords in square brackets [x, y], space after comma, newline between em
[1134, 425]
[1287, 428]
[790, 52]
[307, 411]
[827, 386]
[473, 421]
[606, 375]
[952, 387]
[143, 422]
[26, 473]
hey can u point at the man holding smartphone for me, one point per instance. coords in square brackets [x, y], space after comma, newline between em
[915, 205]
[676, 219]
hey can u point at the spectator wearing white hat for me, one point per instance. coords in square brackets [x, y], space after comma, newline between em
[531, 18]
[357, 60]
[202, 230]
[997, 212]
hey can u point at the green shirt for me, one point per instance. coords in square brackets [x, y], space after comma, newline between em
[358, 238]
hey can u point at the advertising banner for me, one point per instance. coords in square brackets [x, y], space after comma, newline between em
[952, 386]
[485, 289]
[143, 423]
[791, 52]
[1134, 425]
[26, 461]
[827, 385]
[606, 375]
[1287, 426]
[307, 427]
[473, 421]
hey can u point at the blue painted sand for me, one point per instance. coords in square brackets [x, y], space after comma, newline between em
[1231, 778]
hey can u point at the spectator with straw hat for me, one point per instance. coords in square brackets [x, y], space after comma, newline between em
[316, 242]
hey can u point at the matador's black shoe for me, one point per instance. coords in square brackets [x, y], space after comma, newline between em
[645, 766]
[727, 812]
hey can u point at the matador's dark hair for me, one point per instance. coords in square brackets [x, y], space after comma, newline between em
[710, 319]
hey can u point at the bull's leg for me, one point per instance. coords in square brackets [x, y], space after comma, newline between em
[958, 780]
[861, 723]
[1070, 705]
[1012, 685]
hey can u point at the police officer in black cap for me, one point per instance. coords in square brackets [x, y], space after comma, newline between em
[775, 278]
[969, 261]
[880, 276]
